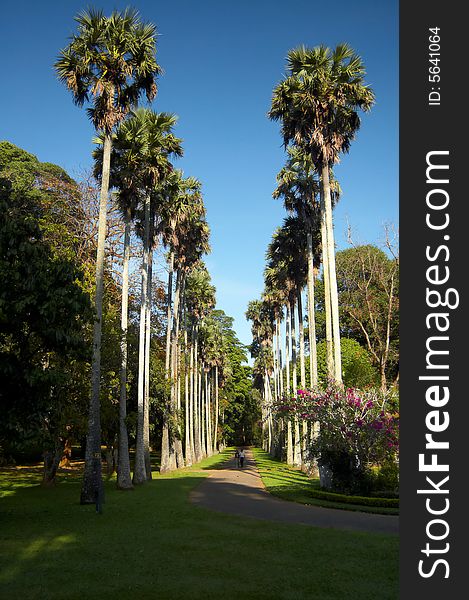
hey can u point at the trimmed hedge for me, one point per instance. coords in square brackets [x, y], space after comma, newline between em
[363, 500]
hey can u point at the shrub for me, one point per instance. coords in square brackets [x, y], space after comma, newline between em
[356, 430]
[363, 500]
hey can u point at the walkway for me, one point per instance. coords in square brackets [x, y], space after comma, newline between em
[241, 492]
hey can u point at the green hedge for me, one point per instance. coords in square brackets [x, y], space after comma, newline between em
[365, 501]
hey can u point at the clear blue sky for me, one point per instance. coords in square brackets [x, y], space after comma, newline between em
[221, 60]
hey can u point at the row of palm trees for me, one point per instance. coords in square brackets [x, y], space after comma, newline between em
[111, 63]
[317, 104]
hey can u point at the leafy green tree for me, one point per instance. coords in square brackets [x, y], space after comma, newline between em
[357, 365]
[44, 309]
[368, 282]
[239, 407]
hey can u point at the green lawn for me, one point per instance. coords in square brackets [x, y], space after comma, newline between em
[151, 543]
[292, 484]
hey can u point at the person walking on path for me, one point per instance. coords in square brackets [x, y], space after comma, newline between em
[237, 457]
[241, 457]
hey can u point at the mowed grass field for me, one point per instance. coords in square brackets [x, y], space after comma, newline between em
[152, 543]
[292, 484]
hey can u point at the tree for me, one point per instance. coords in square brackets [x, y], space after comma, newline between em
[299, 187]
[156, 144]
[368, 282]
[357, 365]
[44, 307]
[112, 59]
[186, 234]
[238, 407]
[199, 300]
[318, 104]
[286, 269]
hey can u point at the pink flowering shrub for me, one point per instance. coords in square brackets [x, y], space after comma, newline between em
[356, 430]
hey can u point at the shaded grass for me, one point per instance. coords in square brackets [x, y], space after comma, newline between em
[292, 484]
[151, 543]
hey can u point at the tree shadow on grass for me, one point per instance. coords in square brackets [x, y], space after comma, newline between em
[50, 542]
[153, 543]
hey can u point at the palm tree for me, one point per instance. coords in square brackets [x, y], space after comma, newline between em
[186, 233]
[298, 186]
[276, 300]
[181, 195]
[113, 60]
[260, 312]
[286, 269]
[123, 180]
[199, 299]
[157, 144]
[318, 104]
[127, 153]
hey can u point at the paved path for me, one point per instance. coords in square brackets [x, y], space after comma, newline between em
[241, 492]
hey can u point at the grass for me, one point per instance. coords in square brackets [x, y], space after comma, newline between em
[292, 484]
[152, 543]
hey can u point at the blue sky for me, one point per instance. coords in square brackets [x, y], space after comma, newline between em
[221, 61]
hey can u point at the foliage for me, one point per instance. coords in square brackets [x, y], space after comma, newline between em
[368, 282]
[357, 500]
[356, 431]
[111, 59]
[319, 100]
[357, 368]
[47, 264]
[294, 485]
[368, 286]
[237, 404]
[43, 307]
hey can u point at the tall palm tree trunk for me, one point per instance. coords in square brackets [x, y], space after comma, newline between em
[146, 413]
[140, 473]
[176, 370]
[168, 449]
[92, 486]
[187, 415]
[313, 355]
[301, 334]
[332, 273]
[287, 366]
[304, 424]
[202, 409]
[191, 398]
[215, 429]
[268, 400]
[279, 358]
[197, 440]
[327, 297]
[293, 347]
[296, 446]
[208, 413]
[124, 481]
[168, 312]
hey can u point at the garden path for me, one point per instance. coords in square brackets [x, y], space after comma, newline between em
[241, 492]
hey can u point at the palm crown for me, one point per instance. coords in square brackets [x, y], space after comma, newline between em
[318, 101]
[111, 59]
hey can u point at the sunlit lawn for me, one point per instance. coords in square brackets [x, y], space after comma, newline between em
[152, 543]
[292, 484]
